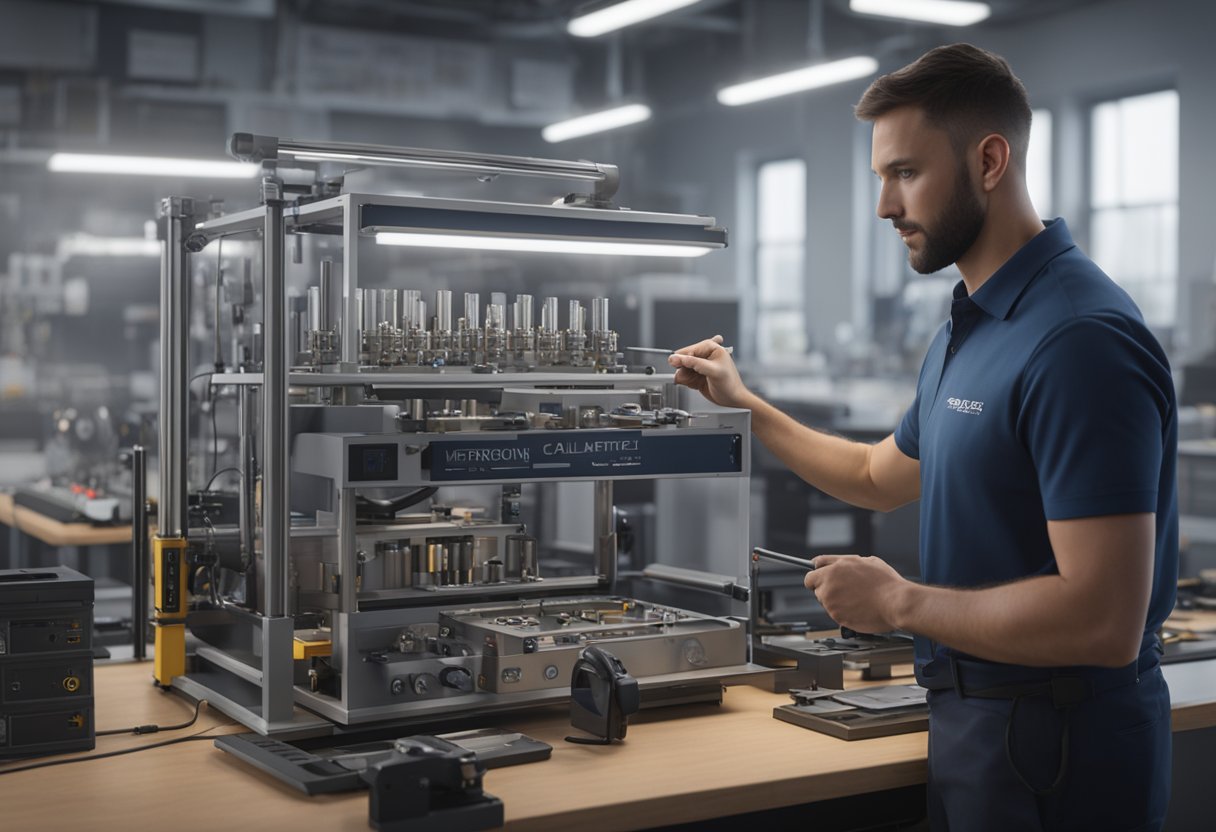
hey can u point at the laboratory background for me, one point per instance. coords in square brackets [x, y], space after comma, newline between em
[334, 395]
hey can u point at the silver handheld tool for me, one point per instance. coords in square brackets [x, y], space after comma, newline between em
[768, 554]
[661, 351]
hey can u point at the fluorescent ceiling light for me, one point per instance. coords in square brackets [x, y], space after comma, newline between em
[620, 15]
[150, 166]
[87, 244]
[486, 242]
[595, 122]
[798, 80]
[947, 12]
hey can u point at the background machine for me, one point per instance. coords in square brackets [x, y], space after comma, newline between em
[379, 555]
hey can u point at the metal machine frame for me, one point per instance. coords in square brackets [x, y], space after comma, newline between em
[250, 662]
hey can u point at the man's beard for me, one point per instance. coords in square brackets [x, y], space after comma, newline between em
[954, 232]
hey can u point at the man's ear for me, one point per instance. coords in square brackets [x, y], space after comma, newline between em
[994, 160]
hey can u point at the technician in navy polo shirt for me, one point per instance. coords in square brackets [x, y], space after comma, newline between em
[1042, 446]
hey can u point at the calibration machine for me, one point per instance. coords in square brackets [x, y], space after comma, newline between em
[359, 571]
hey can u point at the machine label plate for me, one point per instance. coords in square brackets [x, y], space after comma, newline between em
[585, 453]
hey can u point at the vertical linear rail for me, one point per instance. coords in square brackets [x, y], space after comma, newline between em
[277, 625]
[605, 530]
[351, 321]
[176, 221]
[139, 551]
[276, 520]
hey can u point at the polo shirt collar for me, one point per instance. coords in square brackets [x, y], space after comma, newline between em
[1001, 291]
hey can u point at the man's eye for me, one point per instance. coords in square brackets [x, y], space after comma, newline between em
[904, 173]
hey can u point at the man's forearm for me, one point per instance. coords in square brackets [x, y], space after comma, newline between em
[1039, 621]
[833, 464]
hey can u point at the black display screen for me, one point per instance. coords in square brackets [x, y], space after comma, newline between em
[372, 463]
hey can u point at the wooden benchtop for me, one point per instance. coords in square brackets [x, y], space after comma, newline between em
[676, 766]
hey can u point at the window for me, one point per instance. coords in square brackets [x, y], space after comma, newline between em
[1038, 163]
[1134, 199]
[780, 259]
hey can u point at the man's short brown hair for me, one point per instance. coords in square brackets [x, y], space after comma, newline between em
[962, 89]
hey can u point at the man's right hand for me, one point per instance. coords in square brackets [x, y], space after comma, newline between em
[708, 368]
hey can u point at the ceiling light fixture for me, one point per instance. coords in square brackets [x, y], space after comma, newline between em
[595, 122]
[946, 12]
[619, 15]
[150, 166]
[798, 80]
[485, 242]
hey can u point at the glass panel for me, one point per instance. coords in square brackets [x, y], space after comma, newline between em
[780, 275]
[1038, 162]
[781, 201]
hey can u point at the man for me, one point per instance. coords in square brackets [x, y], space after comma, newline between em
[1042, 446]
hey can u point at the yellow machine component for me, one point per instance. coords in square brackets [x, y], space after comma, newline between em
[169, 571]
[305, 646]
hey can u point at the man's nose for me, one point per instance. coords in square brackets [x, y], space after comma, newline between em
[888, 207]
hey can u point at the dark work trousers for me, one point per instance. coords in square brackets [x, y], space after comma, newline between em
[1114, 749]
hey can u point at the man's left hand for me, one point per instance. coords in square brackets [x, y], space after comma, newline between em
[858, 592]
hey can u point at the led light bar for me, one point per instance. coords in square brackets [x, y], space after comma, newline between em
[150, 166]
[946, 12]
[595, 122]
[619, 15]
[798, 80]
[489, 242]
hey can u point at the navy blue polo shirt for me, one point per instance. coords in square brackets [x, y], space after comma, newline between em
[1044, 397]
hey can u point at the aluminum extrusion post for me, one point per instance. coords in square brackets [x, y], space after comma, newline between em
[139, 551]
[276, 517]
[175, 221]
[605, 530]
[351, 316]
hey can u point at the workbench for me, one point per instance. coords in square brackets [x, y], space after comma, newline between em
[677, 765]
[55, 533]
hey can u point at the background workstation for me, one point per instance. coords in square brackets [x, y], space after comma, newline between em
[826, 318]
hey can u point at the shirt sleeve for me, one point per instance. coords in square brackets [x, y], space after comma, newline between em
[907, 435]
[1097, 400]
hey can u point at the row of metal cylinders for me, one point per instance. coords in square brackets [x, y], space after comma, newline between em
[458, 561]
[405, 311]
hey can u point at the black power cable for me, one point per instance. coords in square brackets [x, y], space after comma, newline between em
[138, 729]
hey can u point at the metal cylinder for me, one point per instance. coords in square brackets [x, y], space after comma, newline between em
[493, 573]
[495, 315]
[472, 310]
[599, 315]
[443, 310]
[576, 316]
[389, 554]
[326, 319]
[463, 560]
[314, 309]
[388, 311]
[409, 308]
[529, 563]
[521, 549]
[437, 557]
[523, 312]
[548, 315]
[370, 310]
[359, 307]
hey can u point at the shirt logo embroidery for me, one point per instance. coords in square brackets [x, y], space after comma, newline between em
[971, 408]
